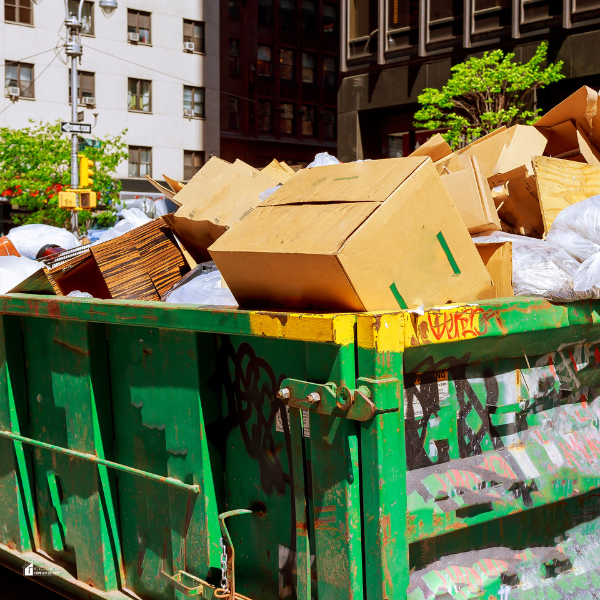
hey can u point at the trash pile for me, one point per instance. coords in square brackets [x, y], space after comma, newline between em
[516, 212]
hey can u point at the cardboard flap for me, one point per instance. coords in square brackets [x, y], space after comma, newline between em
[497, 259]
[588, 151]
[275, 171]
[296, 228]
[368, 181]
[435, 147]
[163, 190]
[526, 141]
[213, 168]
[174, 185]
[561, 137]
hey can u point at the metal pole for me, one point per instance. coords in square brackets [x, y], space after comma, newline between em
[74, 139]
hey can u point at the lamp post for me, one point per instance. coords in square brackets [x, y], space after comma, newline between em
[74, 50]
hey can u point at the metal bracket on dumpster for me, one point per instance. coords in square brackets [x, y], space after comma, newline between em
[328, 399]
[177, 582]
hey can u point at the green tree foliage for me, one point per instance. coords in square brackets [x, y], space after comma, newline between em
[35, 165]
[486, 93]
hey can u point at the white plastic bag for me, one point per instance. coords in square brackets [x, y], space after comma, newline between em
[132, 218]
[540, 268]
[78, 294]
[14, 270]
[29, 239]
[204, 289]
[322, 159]
[577, 229]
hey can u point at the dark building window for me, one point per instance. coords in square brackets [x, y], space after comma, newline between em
[234, 113]
[308, 121]
[265, 11]
[309, 16]
[192, 163]
[264, 112]
[329, 124]
[86, 86]
[533, 11]
[234, 56]
[330, 19]
[87, 15]
[286, 68]
[193, 31]
[19, 75]
[139, 95]
[18, 11]
[403, 13]
[140, 161]
[139, 22]
[363, 27]
[193, 101]
[445, 19]
[265, 64]
[489, 15]
[308, 67]
[286, 13]
[287, 119]
[329, 71]
[583, 5]
[234, 9]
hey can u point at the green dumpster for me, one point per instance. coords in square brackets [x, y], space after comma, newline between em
[156, 451]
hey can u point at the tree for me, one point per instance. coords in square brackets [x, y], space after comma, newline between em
[35, 165]
[486, 93]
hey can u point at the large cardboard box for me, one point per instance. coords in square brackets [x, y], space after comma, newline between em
[497, 259]
[436, 147]
[377, 235]
[218, 196]
[472, 197]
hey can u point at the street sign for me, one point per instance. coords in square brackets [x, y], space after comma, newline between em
[75, 127]
[87, 143]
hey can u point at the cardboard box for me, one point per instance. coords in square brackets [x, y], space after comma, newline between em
[569, 141]
[7, 248]
[435, 147]
[497, 259]
[218, 196]
[280, 172]
[376, 235]
[561, 183]
[472, 197]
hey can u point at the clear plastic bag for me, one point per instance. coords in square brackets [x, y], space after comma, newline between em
[29, 239]
[14, 270]
[132, 218]
[202, 288]
[323, 159]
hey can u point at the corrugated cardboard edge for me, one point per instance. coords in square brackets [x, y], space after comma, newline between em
[174, 185]
[435, 147]
[163, 190]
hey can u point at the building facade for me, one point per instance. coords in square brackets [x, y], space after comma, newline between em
[152, 68]
[392, 49]
[279, 78]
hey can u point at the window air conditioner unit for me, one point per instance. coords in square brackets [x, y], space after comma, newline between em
[133, 37]
[189, 46]
[13, 92]
[188, 112]
[89, 101]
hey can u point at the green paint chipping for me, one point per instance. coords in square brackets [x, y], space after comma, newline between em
[399, 298]
[446, 249]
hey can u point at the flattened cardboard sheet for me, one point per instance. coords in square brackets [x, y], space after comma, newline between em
[497, 259]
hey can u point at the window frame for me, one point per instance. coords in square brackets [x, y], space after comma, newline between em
[293, 65]
[91, 5]
[293, 133]
[137, 13]
[237, 57]
[17, 7]
[139, 95]
[193, 89]
[523, 23]
[334, 113]
[31, 87]
[259, 116]
[487, 11]
[271, 19]
[235, 100]
[314, 68]
[138, 149]
[193, 24]
[306, 108]
[326, 71]
[80, 95]
[334, 29]
[270, 75]
[192, 153]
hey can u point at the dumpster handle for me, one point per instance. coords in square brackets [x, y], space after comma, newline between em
[177, 582]
[101, 461]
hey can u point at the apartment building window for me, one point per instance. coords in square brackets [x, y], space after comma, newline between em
[533, 11]
[329, 124]
[363, 28]
[489, 15]
[286, 68]
[308, 67]
[234, 56]
[234, 113]
[309, 16]
[87, 15]
[329, 19]
[140, 161]
[18, 11]
[19, 75]
[86, 87]
[445, 19]
[402, 13]
[139, 95]
[265, 11]
[265, 112]
[308, 121]
[193, 161]
[286, 14]
[193, 31]
[265, 64]
[234, 9]
[193, 101]
[287, 119]
[583, 5]
[139, 22]
[329, 71]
